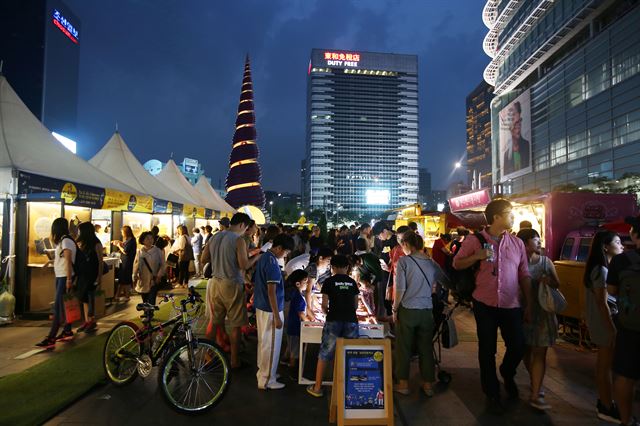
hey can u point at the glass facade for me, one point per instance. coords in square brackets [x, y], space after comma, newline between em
[362, 131]
[479, 136]
[585, 114]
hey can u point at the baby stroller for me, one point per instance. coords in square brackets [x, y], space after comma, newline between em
[442, 312]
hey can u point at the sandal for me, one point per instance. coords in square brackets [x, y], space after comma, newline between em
[401, 391]
[311, 391]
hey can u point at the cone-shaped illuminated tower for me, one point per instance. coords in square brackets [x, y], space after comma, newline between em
[243, 180]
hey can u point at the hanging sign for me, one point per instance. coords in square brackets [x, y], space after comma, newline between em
[115, 200]
[362, 391]
[72, 193]
[140, 204]
[162, 206]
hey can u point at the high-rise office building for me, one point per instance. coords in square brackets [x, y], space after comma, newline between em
[424, 185]
[40, 50]
[362, 131]
[479, 136]
[567, 82]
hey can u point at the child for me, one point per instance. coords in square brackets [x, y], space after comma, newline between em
[297, 313]
[366, 282]
[339, 301]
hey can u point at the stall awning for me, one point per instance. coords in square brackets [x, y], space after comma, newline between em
[26, 145]
[206, 190]
[173, 179]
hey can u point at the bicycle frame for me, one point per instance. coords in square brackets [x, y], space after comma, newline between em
[146, 333]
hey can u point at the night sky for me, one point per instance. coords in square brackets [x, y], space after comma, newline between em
[169, 73]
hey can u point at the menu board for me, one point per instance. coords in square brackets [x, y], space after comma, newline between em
[364, 379]
[362, 388]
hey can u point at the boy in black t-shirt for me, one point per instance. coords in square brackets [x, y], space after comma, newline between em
[339, 302]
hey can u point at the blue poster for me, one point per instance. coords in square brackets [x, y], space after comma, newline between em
[364, 379]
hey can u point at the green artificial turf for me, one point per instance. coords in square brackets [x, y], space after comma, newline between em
[35, 395]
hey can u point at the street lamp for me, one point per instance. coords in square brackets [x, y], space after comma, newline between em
[271, 205]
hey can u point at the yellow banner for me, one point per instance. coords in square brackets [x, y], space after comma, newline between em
[190, 210]
[115, 200]
[141, 204]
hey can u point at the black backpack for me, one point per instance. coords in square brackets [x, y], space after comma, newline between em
[463, 281]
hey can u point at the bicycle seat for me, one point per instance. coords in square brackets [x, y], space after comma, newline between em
[146, 307]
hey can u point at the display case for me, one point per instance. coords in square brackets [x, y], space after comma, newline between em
[103, 218]
[138, 222]
[311, 337]
[164, 222]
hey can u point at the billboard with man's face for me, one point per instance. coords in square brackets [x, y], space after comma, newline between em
[515, 138]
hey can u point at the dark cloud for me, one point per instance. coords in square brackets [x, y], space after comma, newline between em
[169, 73]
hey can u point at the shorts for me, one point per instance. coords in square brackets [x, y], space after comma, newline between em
[226, 300]
[627, 353]
[330, 333]
[293, 346]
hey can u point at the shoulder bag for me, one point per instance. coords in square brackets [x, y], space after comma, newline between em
[549, 298]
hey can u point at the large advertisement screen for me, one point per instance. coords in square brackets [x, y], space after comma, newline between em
[515, 138]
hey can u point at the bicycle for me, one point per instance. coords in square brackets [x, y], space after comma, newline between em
[194, 373]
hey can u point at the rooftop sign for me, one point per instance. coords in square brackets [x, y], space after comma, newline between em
[65, 26]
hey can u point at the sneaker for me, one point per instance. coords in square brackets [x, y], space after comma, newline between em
[273, 386]
[47, 343]
[82, 328]
[540, 404]
[91, 326]
[610, 414]
[64, 336]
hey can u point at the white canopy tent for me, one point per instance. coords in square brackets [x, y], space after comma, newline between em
[117, 159]
[206, 190]
[172, 178]
[26, 145]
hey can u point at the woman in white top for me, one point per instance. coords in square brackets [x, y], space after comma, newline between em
[65, 253]
[148, 268]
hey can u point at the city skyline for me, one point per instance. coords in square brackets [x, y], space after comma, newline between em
[176, 91]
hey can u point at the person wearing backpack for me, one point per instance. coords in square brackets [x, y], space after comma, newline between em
[65, 254]
[502, 275]
[89, 273]
[623, 281]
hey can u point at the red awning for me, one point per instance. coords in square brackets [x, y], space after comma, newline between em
[469, 219]
[619, 227]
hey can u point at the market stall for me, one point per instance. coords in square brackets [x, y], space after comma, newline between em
[44, 181]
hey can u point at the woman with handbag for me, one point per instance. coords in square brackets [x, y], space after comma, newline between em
[148, 268]
[413, 312]
[602, 331]
[127, 248]
[65, 253]
[182, 248]
[89, 268]
[542, 331]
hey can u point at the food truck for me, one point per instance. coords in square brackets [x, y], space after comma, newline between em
[566, 223]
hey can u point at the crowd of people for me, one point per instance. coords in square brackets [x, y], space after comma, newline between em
[273, 272]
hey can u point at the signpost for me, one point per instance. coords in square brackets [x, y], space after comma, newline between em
[362, 392]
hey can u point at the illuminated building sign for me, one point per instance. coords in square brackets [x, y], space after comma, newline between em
[65, 26]
[342, 59]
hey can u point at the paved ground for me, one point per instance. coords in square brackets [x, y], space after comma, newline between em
[569, 388]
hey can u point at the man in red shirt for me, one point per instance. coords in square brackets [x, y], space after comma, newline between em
[503, 274]
[440, 252]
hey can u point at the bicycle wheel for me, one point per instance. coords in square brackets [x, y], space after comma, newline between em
[193, 387]
[120, 354]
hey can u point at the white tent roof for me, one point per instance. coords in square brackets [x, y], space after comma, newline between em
[116, 159]
[172, 178]
[206, 190]
[26, 145]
